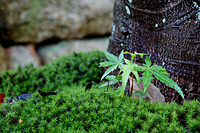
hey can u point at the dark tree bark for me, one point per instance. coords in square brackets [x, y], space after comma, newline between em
[170, 32]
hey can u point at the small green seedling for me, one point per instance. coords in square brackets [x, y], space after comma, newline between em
[130, 67]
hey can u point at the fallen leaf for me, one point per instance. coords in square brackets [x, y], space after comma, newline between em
[2, 97]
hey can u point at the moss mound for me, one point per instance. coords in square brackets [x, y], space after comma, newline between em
[74, 110]
[74, 69]
[96, 111]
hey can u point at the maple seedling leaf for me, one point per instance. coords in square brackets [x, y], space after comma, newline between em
[126, 70]
[160, 73]
[112, 80]
[128, 67]
[113, 63]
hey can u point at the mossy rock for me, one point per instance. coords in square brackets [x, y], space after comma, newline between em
[74, 69]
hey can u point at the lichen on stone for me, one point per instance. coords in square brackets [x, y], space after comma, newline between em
[130, 1]
[164, 20]
[128, 10]
[113, 28]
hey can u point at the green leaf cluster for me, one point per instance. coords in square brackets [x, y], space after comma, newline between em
[160, 73]
[113, 63]
[129, 67]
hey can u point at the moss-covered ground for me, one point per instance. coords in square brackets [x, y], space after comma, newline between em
[74, 110]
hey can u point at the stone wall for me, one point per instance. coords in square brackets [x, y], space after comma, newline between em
[3, 59]
[34, 21]
[27, 24]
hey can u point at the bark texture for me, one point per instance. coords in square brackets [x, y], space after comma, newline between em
[170, 32]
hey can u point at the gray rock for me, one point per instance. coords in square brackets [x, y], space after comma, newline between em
[3, 59]
[33, 21]
[152, 90]
[51, 52]
[23, 55]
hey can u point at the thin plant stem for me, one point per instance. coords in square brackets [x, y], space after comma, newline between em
[108, 85]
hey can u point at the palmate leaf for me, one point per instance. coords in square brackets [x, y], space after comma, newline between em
[111, 77]
[141, 93]
[106, 64]
[126, 72]
[141, 68]
[110, 83]
[146, 79]
[147, 76]
[112, 80]
[127, 69]
[134, 71]
[136, 92]
[110, 69]
[127, 61]
[136, 76]
[111, 57]
[168, 81]
[159, 69]
[133, 67]
[113, 63]
[135, 54]
[121, 56]
[148, 61]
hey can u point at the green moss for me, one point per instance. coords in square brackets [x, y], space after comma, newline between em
[72, 70]
[75, 110]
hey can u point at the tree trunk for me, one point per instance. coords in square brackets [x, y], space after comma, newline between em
[170, 32]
